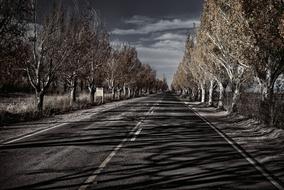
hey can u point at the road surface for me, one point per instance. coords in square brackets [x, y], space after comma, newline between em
[155, 143]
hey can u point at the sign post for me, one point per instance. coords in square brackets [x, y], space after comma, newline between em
[100, 93]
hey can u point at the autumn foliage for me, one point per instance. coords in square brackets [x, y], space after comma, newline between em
[70, 50]
[239, 47]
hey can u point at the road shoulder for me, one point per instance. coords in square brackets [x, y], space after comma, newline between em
[263, 143]
[9, 133]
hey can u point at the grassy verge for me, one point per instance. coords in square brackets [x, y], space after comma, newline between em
[19, 109]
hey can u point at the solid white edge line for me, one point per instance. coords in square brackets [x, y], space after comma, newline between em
[50, 128]
[91, 179]
[251, 161]
[44, 130]
[32, 134]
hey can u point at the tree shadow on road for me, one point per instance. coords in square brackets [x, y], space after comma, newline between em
[176, 150]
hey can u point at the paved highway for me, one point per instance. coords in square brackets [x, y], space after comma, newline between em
[155, 143]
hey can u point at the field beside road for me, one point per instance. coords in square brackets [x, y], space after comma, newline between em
[20, 107]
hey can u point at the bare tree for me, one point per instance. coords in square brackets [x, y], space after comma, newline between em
[48, 52]
[111, 69]
[98, 56]
[79, 38]
[128, 65]
[98, 53]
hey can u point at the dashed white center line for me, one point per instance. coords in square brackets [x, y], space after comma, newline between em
[138, 128]
[136, 134]
[92, 179]
[151, 111]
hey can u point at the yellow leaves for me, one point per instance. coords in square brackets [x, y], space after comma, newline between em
[237, 33]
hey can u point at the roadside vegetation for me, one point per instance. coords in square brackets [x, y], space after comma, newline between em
[59, 61]
[22, 107]
[235, 61]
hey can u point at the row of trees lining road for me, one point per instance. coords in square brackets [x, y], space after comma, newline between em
[239, 43]
[69, 48]
[13, 21]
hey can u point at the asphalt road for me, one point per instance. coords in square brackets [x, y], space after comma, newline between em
[156, 143]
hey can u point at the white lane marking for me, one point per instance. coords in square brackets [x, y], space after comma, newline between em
[56, 126]
[47, 129]
[244, 154]
[92, 179]
[139, 131]
[31, 134]
[136, 134]
[137, 125]
[151, 111]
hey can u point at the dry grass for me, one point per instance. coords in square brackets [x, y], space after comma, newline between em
[21, 107]
[27, 104]
[16, 109]
[17, 105]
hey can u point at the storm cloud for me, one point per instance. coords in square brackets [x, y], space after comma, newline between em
[158, 29]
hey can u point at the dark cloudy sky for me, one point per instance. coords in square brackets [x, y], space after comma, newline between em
[157, 28]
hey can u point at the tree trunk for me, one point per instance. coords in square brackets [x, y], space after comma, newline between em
[113, 93]
[236, 97]
[272, 119]
[263, 91]
[189, 93]
[221, 95]
[119, 93]
[124, 91]
[198, 94]
[65, 88]
[210, 98]
[113, 89]
[236, 89]
[267, 105]
[39, 101]
[81, 85]
[129, 92]
[73, 92]
[92, 92]
[184, 92]
[193, 95]
[72, 96]
[133, 93]
[203, 92]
